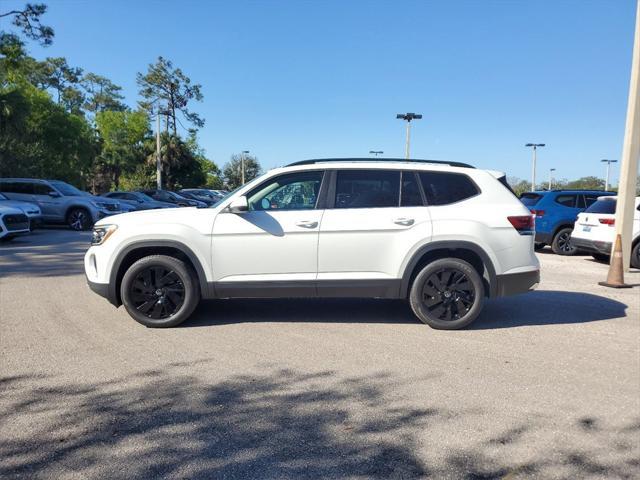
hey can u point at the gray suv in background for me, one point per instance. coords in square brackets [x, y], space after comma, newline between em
[59, 201]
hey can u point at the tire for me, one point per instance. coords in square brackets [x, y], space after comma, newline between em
[160, 291]
[79, 219]
[561, 244]
[601, 257]
[425, 291]
[635, 255]
[539, 246]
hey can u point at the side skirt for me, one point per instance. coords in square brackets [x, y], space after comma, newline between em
[307, 288]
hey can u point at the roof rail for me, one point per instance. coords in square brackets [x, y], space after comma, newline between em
[381, 160]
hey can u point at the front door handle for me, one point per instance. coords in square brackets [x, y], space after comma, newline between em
[307, 224]
[405, 222]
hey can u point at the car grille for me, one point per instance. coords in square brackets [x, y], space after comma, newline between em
[16, 222]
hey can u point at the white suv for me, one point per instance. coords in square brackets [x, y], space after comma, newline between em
[443, 235]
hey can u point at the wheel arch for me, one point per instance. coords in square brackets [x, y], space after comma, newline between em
[468, 251]
[137, 250]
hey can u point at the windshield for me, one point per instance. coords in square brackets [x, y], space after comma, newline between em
[530, 199]
[602, 206]
[144, 197]
[67, 190]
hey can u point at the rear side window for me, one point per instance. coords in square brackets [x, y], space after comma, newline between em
[530, 199]
[367, 189]
[410, 195]
[443, 188]
[17, 187]
[567, 200]
[602, 206]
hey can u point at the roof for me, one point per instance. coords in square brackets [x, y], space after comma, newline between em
[380, 160]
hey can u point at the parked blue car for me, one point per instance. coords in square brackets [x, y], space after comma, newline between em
[556, 211]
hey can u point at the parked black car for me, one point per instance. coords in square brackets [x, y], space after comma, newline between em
[201, 195]
[138, 200]
[173, 197]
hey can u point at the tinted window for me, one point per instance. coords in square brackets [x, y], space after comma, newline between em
[67, 190]
[17, 187]
[602, 206]
[589, 199]
[297, 191]
[367, 189]
[115, 195]
[443, 188]
[530, 199]
[41, 189]
[410, 195]
[567, 200]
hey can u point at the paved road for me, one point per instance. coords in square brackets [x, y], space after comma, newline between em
[545, 385]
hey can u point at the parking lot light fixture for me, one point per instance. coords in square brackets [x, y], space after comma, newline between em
[533, 167]
[376, 152]
[608, 162]
[551, 170]
[408, 117]
[244, 152]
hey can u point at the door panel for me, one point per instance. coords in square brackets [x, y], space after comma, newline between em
[52, 207]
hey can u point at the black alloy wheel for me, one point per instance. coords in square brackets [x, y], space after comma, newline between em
[562, 244]
[79, 219]
[157, 292]
[448, 294]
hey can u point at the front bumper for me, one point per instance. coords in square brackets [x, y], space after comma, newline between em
[592, 246]
[104, 290]
[514, 283]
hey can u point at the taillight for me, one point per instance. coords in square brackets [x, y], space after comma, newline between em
[524, 224]
[537, 213]
[607, 221]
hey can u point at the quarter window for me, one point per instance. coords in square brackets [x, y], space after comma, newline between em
[444, 188]
[297, 191]
[367, 189]
[566, 200]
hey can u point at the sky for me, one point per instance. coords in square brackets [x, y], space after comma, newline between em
[293, 80]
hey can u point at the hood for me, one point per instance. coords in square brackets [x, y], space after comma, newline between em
[155, 216]
[24, 206]
[10, 210]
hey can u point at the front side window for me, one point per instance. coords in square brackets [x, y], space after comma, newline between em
[444, 188]
[295, 191]
[66, 189]
[589, 199]
[567, 200]
[367, 189]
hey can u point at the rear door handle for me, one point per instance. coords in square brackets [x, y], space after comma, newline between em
[406, 222]
[307, 224]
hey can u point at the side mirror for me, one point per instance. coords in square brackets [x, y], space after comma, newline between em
[54, 194]
[239, 205]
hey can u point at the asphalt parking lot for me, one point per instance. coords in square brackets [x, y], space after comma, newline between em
[543, 385]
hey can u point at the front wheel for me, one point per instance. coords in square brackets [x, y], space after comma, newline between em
[159, 291]
[79, 219]
[447, 294]
[561, 244]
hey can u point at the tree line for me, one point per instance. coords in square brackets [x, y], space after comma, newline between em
[60, 121]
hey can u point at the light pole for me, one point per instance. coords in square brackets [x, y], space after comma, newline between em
[408, 117]
[158, 158]
[242, 163]
[551, 170]
[533, 168]
[606, 182]
[376, 152]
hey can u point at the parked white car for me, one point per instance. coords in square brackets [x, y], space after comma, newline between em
[13, 222]
[594, 230]
[445, 236]
[31, 210]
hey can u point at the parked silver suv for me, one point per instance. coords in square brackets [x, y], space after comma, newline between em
[59, 201]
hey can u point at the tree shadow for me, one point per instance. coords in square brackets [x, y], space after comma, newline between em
[279, 423]
[46, 252]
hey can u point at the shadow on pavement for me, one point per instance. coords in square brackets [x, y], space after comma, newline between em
[539, 307]
[46, 252]
[282, 424]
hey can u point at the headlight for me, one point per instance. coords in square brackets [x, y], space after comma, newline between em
[102, 233]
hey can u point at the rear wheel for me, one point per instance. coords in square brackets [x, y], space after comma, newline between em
[561, 244]
[159, 291]
[635, 256]
[447, 294]
[79, 219]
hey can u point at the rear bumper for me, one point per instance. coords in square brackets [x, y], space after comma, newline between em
[544, 237]
[514, 283]
[592, 246]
